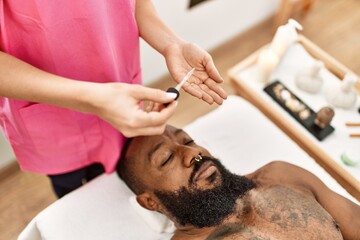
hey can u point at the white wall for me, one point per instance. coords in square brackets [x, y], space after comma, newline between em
[208, 24]
[6, 153]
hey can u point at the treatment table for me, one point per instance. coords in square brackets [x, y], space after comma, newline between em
[236, 133]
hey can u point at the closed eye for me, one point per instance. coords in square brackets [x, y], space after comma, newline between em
[167, 160]
[189, 142]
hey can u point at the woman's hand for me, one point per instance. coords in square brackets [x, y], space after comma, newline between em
[120, 104]
[205, 83]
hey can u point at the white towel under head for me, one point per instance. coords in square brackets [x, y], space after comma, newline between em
[157, 221]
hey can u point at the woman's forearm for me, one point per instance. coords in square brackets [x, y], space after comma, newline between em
[152, 29]
[116, 103]
[22, 81]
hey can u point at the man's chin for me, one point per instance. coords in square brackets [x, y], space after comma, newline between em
[212, 181]
[208, 202]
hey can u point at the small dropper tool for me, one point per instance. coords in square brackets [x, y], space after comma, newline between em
[178, 87]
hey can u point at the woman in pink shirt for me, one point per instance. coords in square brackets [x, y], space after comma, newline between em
[70, 82]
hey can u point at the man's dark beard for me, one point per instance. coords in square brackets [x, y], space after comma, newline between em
[206, 208]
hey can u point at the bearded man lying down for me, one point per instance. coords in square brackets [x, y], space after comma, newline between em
[173, 175]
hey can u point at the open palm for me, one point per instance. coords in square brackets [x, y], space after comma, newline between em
[205, 83]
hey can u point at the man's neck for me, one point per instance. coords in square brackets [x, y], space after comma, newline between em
[241, 215]
[192, 233]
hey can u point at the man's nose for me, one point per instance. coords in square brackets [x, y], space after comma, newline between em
[189, 154]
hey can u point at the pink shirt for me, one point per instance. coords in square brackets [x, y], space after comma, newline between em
[87, 40]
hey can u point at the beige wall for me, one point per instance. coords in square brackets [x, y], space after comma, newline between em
[6, 153]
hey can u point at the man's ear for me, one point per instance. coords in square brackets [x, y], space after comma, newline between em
[147, 200]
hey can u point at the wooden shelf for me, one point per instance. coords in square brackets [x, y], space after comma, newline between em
[351, 184]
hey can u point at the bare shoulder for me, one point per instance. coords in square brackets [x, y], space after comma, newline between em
[281, 168]
[280, 172]
[283, 173]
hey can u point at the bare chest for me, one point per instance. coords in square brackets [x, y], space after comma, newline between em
[279, 212]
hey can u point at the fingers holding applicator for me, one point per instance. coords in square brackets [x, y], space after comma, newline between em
[179, 86]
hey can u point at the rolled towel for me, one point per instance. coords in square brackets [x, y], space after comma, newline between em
[156, 221]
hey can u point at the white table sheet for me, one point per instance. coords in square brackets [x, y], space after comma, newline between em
[237, 133]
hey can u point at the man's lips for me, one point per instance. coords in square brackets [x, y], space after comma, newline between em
[205, 171]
